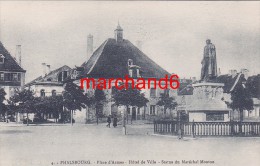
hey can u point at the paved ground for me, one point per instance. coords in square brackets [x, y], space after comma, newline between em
[53, 145]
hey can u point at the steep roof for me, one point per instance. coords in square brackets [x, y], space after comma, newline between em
[110, 61]
[9, 63]
[51, 78]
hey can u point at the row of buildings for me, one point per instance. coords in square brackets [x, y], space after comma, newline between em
[115, 58]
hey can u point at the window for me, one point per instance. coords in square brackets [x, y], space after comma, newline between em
[130, 62]
[49, 79]
[152, 92]
[128, 111]
[215, 117]
[15, 77]
[2, 76]
[60, 77]
[7, 77]
[130, 73]
[152, 109]
[19, 76]
[65, 75]
[53, 92]
[2, 59]
[42, 93]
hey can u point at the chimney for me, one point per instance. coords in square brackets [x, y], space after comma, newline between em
[89, 45]
[43, 69]
[48, 68]
[18, 55]
[139, 44]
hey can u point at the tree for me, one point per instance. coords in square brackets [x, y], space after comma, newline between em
[49, 105]
[74, 98]
[241, 100]
[99, 99]
[253, 85]
[129, 97]
[167, 102]
[24, 102]
[2, 105]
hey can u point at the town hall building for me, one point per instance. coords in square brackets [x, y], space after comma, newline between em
[115, 58]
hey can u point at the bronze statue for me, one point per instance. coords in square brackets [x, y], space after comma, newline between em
[209, 62]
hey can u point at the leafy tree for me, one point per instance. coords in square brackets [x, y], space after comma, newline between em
[49, 105]
[241, 100]
[2, 105]
[167, 102]
[129, 97]
[253, 85]
[24, 101]
[74, 98]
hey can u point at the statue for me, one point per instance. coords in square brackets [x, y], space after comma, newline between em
[209, 62]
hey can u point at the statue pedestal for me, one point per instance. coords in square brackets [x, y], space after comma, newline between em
[207, 103]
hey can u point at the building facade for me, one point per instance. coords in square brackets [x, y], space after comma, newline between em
[12, 75]
[50, 83]
[116, 58]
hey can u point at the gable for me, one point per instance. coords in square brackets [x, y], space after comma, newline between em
[9, 62]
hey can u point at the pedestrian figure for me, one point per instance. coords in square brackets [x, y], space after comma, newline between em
[115, 121]
[108, 121]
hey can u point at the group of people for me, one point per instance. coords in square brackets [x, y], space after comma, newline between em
[109, 121]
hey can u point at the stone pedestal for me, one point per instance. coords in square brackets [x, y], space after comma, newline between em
[207, 103]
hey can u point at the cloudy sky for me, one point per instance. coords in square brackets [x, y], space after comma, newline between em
[173, 33]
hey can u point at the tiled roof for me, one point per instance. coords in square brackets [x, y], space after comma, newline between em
[110, 61]
[50, 78]
[9, 62]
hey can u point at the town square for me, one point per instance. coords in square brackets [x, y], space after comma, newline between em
[129, 83]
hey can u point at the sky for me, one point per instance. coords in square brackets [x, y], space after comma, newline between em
[173, 33]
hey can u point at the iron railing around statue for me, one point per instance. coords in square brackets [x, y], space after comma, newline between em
[207, 128]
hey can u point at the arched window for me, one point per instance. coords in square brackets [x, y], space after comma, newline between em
[53, 92]
[42, 93]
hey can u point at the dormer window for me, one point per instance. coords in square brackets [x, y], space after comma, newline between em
[62, 76]
[2, 59]
[42, 93]
[130, 62]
